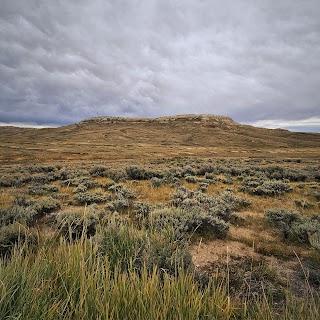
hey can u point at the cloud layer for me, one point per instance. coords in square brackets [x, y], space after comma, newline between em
[62, 61]
[311, 124]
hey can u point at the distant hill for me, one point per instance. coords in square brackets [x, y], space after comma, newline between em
[109, 138]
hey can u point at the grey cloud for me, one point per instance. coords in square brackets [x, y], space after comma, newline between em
[311, 124]
[62, 61]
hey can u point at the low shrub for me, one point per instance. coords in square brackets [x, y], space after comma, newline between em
[141, 212]
[21, 200]
[98, 171]
[316, 194]
[42, 178]
[235, 202]
[227, 180]
[29, 213]
[165, 253]
[46, 205]
[82, 182]
[74, 223]
[127, 248]
[203, 186]
[210, 176]
[221, 206]
[90, 197]
[41, 189]
[302, 203]
[118, 205]
[13, 235]
[280, 173]
[62, 196]
[121, 191]
[39, 169]
[74, 182]
[188, 171]
[258, 186]
[283, 217]
[188, 221]
[17, 213]
[126, 193]
[6, 182]
[115, 187]
[304, 230]
[156, 182]
[136, 173]
[116, 175]
[172, 175]
[191, 179]
[80, 188]
[206, 169]
[294, 225]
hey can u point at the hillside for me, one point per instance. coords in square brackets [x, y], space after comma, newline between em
[111, 138]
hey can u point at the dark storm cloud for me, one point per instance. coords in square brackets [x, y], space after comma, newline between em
[62, 61]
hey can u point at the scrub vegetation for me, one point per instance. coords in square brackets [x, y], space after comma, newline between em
[168, 238]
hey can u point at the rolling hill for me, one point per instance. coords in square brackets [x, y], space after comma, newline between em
[111, 138]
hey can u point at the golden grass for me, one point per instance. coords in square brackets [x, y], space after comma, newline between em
[145, 192]
[66, 189]
[74, 281]
[190, 185]
[253, 234]
[124, 139]
[100, 190]
[103, 180]
[217, 187]
[263, 203]
[6, 198]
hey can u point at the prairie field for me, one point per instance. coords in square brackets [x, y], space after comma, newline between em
[218, 223]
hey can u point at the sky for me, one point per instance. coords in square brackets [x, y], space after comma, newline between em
[256, 61]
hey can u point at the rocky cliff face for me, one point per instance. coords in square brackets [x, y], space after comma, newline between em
[204, 120]
[183, 117]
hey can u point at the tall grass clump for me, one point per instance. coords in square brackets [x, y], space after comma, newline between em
[14, 235]
[78, 280]
[73, 224]
[128, 247]
[74, 281]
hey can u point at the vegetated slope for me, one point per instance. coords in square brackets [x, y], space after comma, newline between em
[130, 138]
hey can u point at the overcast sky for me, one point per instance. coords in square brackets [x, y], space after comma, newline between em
[256, 61]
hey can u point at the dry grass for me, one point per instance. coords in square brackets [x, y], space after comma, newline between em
[66, 189]
[189, 185]
[145, 192]
[133, 139]
[218, 187]
[103, 180]
[263, 241]
[6, 198]
[262, 203]
[252, 235]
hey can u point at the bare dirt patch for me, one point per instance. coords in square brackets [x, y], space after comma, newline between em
[249, 271]
[204, 254]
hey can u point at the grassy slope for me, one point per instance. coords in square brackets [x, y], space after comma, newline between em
[114, 138]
